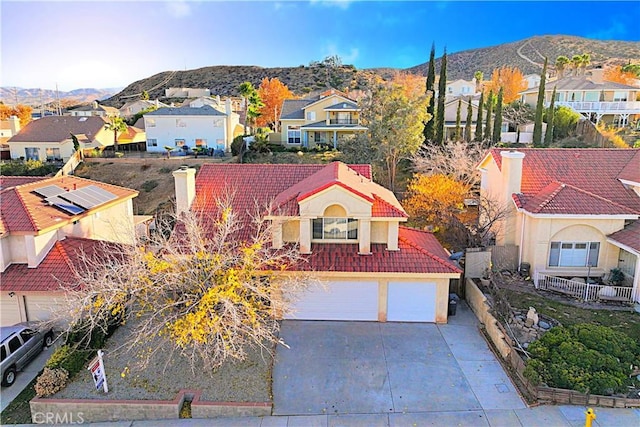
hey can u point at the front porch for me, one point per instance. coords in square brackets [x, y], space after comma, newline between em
[589, 289]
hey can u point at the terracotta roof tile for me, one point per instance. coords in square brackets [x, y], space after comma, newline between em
[591, 177]
[629, 236]
[23, 210]
[12, 181]
[55, 269]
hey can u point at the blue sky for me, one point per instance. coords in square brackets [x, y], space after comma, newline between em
[112, 44]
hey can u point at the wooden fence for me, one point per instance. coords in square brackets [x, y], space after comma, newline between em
[71, 164]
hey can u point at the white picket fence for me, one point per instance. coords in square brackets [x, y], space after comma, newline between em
[583, 291]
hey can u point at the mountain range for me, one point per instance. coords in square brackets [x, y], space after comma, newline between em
[37, 97]
[528, 55]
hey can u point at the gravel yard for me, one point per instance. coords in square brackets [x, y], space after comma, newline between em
[247, 381]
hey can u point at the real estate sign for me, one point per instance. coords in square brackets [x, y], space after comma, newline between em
[96, 367]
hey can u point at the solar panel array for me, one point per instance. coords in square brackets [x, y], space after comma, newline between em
[75, 201]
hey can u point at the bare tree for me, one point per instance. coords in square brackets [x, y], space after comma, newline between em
[195, 290]
[456, 159]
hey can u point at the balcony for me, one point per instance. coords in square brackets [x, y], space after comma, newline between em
[344, 122]
[603, 107]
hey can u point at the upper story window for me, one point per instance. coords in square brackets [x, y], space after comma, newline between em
[574, 254]
[311, 115]
[150, 123]
[335, 229]
[620, 96]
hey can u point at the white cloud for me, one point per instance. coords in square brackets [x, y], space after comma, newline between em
[340, 4]
[178, 8]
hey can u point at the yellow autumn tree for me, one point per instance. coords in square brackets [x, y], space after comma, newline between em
[23, 112]
[413, 85]
[433, 198]
[195, 290]
[272, 92]
[510, 79]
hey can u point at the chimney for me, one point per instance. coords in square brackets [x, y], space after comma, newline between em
[511, 173]
[14, 123]
[227, 107]
[597, 75]
[185, 185]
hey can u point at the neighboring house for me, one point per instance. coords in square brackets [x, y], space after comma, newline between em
[133, 135]
[49, 138]
[348, 230]
[185, 92]
[134, 107]
[596, 99]
[43, 224]
[193, 127]
[451, 114]
[324, 119]
[574, 212]
[95, 109]
[460, 87]
[8, 128]
[533, 80]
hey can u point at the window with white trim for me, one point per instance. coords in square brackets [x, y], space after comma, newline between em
[627, 262]
[311, 115]
[574, 254]
[180, 142]
[293, 134]
[335, 229]
[53, 153]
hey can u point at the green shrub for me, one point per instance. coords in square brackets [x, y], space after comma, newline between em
[237, 144]
[70, 359]
[27, 168]
[149, 185]
[583, 357]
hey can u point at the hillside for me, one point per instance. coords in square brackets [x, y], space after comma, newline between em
[36, 97]
[528, 55]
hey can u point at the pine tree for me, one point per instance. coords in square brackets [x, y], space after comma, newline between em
[458, 120]
[537, 127]
[479, 118]
[442, 93]
[487, 127]
[497, 122]
[467, 124]
[429, 126]
[548, 136]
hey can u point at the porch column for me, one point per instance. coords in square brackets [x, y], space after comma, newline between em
[335, 139]
[364, 236]
[305, 235]
[276, 234]
[636, 281]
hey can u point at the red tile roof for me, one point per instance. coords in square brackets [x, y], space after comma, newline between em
[629, 236]
[55, 269]
[252, 186]
[12, 181]
[419, 252]
[577, 180]
[24, 211]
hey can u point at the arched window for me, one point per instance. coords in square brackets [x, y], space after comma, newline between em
[334, 225]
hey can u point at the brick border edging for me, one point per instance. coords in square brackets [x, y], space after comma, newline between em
[100, 410]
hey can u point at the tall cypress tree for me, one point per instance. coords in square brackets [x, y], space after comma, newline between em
[467, 124]
[548, 136]
[429, 126]
[478, 136]
[458, 120]
[442, 93]
[497, 122]
[537, 126]
[487, 127]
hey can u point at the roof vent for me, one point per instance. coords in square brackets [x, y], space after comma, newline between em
[82, 119]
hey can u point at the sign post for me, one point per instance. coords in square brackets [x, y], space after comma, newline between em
[96, 367]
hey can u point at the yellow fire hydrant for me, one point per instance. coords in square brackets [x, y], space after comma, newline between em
[591, 415]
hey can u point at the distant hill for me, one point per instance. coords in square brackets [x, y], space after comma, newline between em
[528, 55]
[35, 96]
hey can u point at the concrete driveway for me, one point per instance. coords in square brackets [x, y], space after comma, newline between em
[386, 368]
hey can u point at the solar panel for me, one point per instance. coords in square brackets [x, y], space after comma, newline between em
[103, 195]
[79, 199]
[65, 205]
[88, 195]
[49, 191]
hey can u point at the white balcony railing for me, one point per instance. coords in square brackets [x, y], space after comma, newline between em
[603, 106]
[583, 291]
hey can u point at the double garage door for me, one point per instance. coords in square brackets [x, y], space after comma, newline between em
[360, 300]
[28, 307]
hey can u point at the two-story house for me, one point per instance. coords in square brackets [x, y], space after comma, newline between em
[349, 230]
[49, 138]
[95, 109]
[204, 127]
[573, 213]
[8, 128]
[324, 119]
[592, 96]
[132, 108]
[45, 226]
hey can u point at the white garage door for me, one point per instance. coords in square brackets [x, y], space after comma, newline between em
[338, 301]
[411, 302]
[40, 307]
[9, 310]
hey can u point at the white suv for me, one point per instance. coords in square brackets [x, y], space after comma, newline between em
[19, 344]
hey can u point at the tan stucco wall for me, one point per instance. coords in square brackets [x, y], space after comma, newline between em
[539, 232]
[291, 231]
[355, 207]
[17, 149]
[14, 250]
[114, 224]
[379, 231]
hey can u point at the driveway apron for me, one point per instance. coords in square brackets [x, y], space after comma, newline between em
[373, 368]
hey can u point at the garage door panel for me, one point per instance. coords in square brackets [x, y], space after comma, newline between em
[338, 301]
[411, 302]
[9, 311]
[42, 307]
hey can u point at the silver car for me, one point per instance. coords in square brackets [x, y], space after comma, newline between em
[19, 344]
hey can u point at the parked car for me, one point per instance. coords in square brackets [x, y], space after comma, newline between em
[19, 344]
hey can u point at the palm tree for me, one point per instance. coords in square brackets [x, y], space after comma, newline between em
[116, 125]
[561, 65]
[252, 103]
[576, 61]
[586, 61]
[478, 75]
